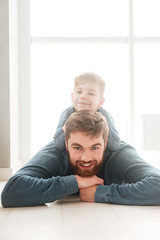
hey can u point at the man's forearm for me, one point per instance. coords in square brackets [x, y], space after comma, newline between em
[144, 192]
[28, 191]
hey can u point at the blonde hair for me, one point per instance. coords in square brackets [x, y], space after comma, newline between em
[91, 77]
[91, 123]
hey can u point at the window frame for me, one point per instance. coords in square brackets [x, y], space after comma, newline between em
[25, 42]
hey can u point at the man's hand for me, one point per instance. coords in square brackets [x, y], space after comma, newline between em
[88, 194]
[86, 182]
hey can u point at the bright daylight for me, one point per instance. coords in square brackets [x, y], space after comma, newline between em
[80, 119]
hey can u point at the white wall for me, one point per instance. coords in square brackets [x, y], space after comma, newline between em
[4, 86]
[14, 81]
[9, 78]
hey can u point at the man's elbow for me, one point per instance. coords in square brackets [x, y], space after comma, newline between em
[154, 193]
[5, 199]
[10, 194]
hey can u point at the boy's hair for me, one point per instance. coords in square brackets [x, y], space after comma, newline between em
[91, 123]
[91, 77]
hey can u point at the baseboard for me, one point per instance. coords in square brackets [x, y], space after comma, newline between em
[5, 173]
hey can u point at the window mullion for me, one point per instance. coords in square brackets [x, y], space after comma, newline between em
[131, 76]
[79, 40]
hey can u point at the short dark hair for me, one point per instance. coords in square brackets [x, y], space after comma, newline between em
[91, 123]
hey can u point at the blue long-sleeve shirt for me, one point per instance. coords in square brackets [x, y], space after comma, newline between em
[113, 137]
[47, 177]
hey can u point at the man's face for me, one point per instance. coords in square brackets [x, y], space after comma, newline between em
[85, 153]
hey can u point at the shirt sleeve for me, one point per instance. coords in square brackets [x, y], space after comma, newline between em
[129, 180]
[114, 140]
[45, 178]
[59, 136]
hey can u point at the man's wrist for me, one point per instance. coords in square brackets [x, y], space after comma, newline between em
[102, 194]
[71, 185]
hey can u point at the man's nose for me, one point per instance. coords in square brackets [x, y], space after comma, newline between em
[86, 156]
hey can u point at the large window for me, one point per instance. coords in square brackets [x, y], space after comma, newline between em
[118, 39]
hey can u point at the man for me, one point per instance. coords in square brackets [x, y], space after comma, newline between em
[87, 167]
[86, 140]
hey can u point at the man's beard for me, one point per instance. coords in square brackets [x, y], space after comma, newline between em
[85, 172]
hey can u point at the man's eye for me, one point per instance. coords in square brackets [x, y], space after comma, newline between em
[77, 148]
[95, 148]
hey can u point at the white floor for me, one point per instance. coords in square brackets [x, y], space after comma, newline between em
[71, 219]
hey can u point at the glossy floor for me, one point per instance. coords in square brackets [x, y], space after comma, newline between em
[69, 219]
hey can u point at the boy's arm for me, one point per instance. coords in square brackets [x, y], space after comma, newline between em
[45, 178]
[114, 140]
[129, 180]
[59, 136]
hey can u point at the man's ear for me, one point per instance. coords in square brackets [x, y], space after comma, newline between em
[66, 143]
[101, 102]
[105, 143]
[72, 97]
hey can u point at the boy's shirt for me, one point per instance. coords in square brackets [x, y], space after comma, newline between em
[114, 140]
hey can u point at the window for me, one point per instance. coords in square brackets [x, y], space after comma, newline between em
[146, 69]
[91, 18]
[114, 38]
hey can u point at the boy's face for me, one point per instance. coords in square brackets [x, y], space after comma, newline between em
[86, 97]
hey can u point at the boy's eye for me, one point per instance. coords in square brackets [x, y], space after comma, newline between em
[79, 92]
[92, 94]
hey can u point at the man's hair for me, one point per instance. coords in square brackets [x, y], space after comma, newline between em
[91, 123]
[91, 77]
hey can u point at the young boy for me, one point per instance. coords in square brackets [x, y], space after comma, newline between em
[87, 95]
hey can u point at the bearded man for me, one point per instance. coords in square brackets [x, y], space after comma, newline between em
[86, 167]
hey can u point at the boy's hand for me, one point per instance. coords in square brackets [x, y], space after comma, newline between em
[86, 182]
[88, 194]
